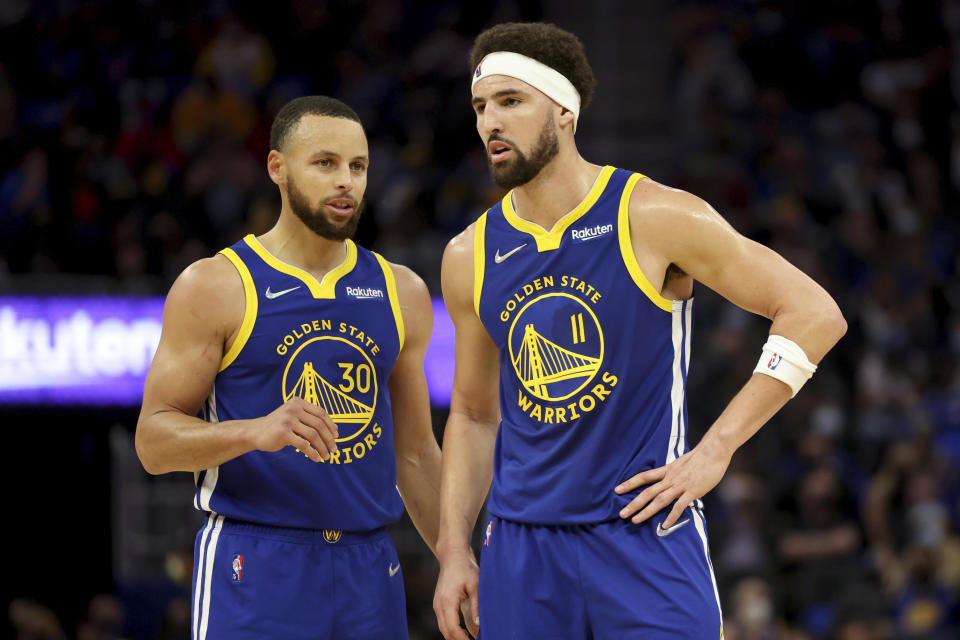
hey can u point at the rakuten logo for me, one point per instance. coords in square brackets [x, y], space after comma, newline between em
[364, 294]
[591, 233]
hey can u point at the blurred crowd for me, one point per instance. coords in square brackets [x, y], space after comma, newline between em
[134, 141]
[133, 138]
[833, 136]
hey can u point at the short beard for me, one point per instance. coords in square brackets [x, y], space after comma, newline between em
[520, 170]
[316, 220]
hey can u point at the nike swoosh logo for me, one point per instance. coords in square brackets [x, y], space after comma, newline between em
[276, 294]
[392, 570]
[500, 258]
[663, 533]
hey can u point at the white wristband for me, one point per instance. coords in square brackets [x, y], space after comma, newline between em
[784, 360]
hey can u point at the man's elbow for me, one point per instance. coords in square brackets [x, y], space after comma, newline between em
[418, 454]
[834, 324]
[147, 454]
[408, 461]
[149, 465]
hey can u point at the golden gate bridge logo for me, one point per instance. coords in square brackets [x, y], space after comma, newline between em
[341, 408]
[329, 374]
[548, 370]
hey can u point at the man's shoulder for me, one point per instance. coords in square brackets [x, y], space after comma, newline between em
[413, 297]
[408, 282]
[213, 272]
[460, 246]
[215, 281]
[655, 203]
[649, 192]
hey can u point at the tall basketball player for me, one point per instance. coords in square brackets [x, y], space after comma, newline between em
[572, 301]
[305, 353]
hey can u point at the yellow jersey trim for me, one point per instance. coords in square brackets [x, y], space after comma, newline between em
[550, 240]
[325, 288]
[249, 311]
[392, 295]
[626, 247]
[479, 259]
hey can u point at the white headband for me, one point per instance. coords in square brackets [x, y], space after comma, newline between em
[549, 81]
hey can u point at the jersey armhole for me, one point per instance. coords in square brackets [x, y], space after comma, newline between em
[249, 311]
[479, 259]
[392, 295]
[626, 248]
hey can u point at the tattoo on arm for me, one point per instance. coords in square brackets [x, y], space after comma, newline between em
[673, 272]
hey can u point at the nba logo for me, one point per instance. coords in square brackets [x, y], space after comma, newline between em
[774, 362]
[237, 568]
[486, 537]
[477, 74]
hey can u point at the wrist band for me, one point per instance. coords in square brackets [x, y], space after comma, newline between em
[784, 360]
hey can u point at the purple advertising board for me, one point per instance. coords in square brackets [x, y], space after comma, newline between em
[95, 351]
[438, 363]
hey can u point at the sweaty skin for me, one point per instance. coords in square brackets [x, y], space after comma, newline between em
[674, 234]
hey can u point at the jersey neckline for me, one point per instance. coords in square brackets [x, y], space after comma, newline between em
[323, 288]
[550, 240]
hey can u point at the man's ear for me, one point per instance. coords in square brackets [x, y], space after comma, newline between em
[276, 167]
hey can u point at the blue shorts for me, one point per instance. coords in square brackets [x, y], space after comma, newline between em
[608, 581]
[252, 581]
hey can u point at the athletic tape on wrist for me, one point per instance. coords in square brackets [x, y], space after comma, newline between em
[549, 81]
[784, 360]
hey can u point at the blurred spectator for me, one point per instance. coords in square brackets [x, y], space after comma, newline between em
[104, 619]
[752, 612]
[33, 621]
[819, 546]
[925, 608]
[176, 621]
[741, 550]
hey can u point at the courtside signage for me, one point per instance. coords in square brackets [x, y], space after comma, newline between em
[95, 351]
[73, 350]
[438, 363]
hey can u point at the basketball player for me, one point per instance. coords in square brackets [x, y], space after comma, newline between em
[572, 301]
[305, 353]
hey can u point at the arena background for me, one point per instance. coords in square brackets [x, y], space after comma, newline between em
[132, 142]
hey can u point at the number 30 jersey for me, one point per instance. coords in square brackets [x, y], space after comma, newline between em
[593, 360]
[332, 343]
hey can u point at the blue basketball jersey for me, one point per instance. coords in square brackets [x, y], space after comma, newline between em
[593, 360]
[334, 344]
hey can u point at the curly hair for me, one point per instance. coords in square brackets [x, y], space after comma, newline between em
[289, 116]
[544, 42]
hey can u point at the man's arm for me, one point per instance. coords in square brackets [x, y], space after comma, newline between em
[468, 442]
[669, 226]
[418, 455]
[201, 316]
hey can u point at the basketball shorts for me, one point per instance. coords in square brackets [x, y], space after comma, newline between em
[253, 581]
[608, 581]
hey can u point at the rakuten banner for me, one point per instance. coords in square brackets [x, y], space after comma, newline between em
[97, 350]
[84, 351]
